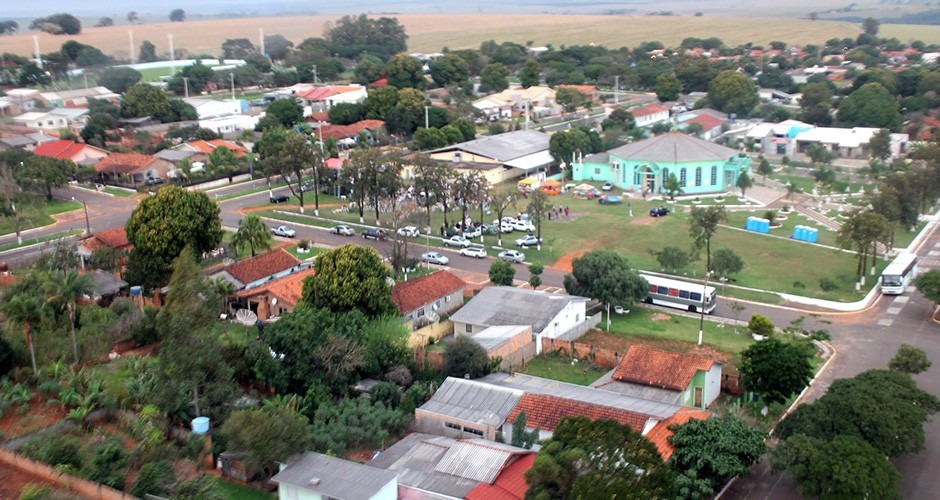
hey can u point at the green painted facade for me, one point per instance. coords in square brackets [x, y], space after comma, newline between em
[688, 395]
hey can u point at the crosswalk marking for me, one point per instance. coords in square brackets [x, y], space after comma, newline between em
[893, 310]
[901, 299]
[885, 322]
[933, 253]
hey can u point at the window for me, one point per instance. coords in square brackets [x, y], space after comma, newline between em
[616, 165]
[420, 313]
[665, 175]
[714, 181]
[597, 171]
[473, 431]
[636, 178]
[451, 426]
[683, 294]
[682, 178]
[698, 176]
[662, 290]
[437, 304]
[695, 296]
[469, 328]
[577, 318]
[447, 299]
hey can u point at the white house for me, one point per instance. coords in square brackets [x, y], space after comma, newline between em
[550, 315]
[649, 115]
[211, 108]
[327, 96]
[55, 119]
[314, 476]
[540, 101]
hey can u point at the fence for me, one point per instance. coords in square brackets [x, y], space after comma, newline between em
[576, 332]
[428, 359]
[436, 331]
[601, 357]
[71, 483]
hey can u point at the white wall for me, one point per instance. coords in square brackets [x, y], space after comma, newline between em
[712, 384]
[569, 317]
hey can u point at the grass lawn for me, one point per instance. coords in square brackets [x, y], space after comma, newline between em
[311, 253]
[564, 369]
[123, 193]
[37, 211]
[234, 333]
[903, 237]
[234, 491]
[738, 219]
[41, 239]
[641, 324]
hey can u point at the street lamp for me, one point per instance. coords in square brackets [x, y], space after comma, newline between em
[701, 321]
[87, 222]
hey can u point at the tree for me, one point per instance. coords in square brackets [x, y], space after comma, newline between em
[703, 223]
[104, 22]
[404, 71]
[45, 173]
[65, 288]
[24, 309]
[727, 262]
[143, 99]
[177, 15]
[148, 51]
[672, 258]
[776, 370]
[502, 273]
[563, 145]
[672, 186]
[599, 459]
[568, 98]
[165, 223]
[495, 77]
[237, 48]
[870, 106]
[880, 145]
[430, 138]
[287, 111]
[192, 79]
[845, 467]
[346, 113]
[253, 233]
[606, 276]
[535, 275]
[350, 278]
[465, 357]
[928, 284]
[500, 201]
[862, 231]
[538, 209]
[355, 423]
[33, 75]
[9, 27]
[530, 74]
[668, 87]
[522, 438]
[764, 168]
[870, 26]
[431, 181]
[119, 78]
[293, 157]
[352, 36]
[744, 182]
[132, 17]
[58, 24]
[449, 70]
[266, 436]
[732, 92]
[910, 360]
[716, 449]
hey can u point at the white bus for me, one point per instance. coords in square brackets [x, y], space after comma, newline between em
[899, 274]
[680, 294]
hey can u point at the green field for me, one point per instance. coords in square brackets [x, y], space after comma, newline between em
[639, 324]
[564, 369]
[41, 239]
[37, 211]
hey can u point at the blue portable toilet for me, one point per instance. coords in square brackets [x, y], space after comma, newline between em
[813, 234]
[764, 225]
[799, 233]
[749, 225]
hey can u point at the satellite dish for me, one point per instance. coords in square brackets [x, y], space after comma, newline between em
[273, 301]
[435, 307]
[246, 317]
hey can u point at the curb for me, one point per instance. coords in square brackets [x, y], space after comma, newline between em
[41, 243]
[76, 186]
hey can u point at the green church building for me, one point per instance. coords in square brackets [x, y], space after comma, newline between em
[702, 167]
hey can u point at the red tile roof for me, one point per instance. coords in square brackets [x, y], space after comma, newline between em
[659, 435]
[510, 484]
[545, 412]
[708, 122]
[61, 149]
[124, 163]
[116, 238]
[319, 116]
[262, 266]
[667, 370]
[288, 289]
[321, 93]
[381, 82]
[208, 147]
[414, 293]
[348, 131]
[649, 109]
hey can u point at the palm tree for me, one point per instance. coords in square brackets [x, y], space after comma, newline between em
[225, 290]
[65, 288]
[252, 232]
[26, 310]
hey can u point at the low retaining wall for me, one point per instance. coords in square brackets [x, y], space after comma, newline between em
[71, 483]
[579, 350]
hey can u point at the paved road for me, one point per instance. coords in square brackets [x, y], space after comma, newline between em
[864, 340]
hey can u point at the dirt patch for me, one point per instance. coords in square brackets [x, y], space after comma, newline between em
[604, 340]
[660, 317]
[39, 415]
[13, 480]
[644, 220]
[564, 262]
[769, 254]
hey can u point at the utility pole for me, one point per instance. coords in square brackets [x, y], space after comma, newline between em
[36, 49]
[186, 86]
[172, 53]
[130, 42]
[426, 117]
[701, 321]
[616, 89]
[315, 79]
[231, 77]
[261, 36]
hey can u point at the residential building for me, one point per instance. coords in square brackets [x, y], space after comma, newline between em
[207, 147]
[539, 100]
[327, 96]
[650, 114]
[26, 142]
[660, 433]
[513, 344]
[700, 166]
[77, 98]
[438, 467]
[55, 119]
[590, 93]
[550, 315]
[791, 137]
[316, 476]
[258, 270]
[82, 154]
[230, 125]
[510, 483]
[426, 298]
[274, 298]
[710, 121]
[665, 376]
[137, 167]
[499, 158]
[775, 138]
[349, 134]
[212, 108]
[467, 408]
[115, 238]
[21, 100]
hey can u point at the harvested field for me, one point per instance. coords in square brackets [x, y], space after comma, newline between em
[432, 32]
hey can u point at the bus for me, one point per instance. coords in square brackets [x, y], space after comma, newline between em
[680, 294]
[899, 274]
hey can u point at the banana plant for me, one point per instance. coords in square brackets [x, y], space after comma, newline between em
[19, 395]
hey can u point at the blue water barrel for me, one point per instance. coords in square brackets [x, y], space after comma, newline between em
[136, 290]
[200, 425]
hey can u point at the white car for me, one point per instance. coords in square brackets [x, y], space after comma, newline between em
[435, 258]
[522, 225]
[512, 256]
[528, 241]
[343, 230]
[408, 231]
[473, 233]
[478, 252]
[284, 231]
[607, 186]
[457, 241]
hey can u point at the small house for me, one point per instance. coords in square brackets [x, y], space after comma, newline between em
[259, 270]
[426, 298]
[666, 376]
[317, 476]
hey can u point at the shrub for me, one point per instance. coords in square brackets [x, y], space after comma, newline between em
[465, 357]
[109, 463]
[827, 285]
[386, 393]
[760, 325]
[303, 245]
[155, 478]
[799, 284]
[401, 375]
[55, 451]
[49, 387]
[146, 332]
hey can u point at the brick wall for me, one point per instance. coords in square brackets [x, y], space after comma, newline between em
[601, 357]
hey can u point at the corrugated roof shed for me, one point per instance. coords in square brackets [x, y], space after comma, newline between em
[334, 477]
[504, 147]
[473, 401]
[477, 459]
[506, 305]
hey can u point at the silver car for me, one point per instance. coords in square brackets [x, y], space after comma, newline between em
[435, 258]
[283, 231]
[408, 232]
[478, 252]
[343, 230]
[512, 256]
[457, 241]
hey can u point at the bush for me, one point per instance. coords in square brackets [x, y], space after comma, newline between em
[799, 284]
[49, 387]
[155, 478]
[55, 451]
[827, 285]
[465, 357]
[7, 357]
[386, 393]
[303, 245]
[401, 375]
[760, 325]
[146, 332]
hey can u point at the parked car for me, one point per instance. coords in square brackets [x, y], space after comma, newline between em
[527, 241]
[490, 228]
[151, 181]
[307, 186]
[343, 230]
[478, 252]
[284, 231]
[408, 232]
[512, 256]
[278, 198]
[523, 225]
[457, 241]
[607, 186]
[472, 233]
[374, 234]
[609, 199]
[435, 258]
[659, 211]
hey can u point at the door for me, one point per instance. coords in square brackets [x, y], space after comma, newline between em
[699, 399]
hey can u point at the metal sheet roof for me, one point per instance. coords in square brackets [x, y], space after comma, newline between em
[334, 477]
[506, 305]
[504, 147]
[476, 459]
[472, 401]
[674, 147]
[532, 161]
